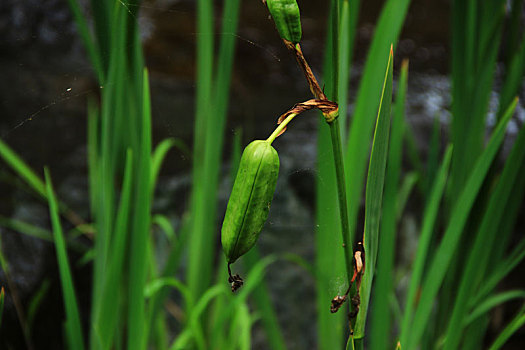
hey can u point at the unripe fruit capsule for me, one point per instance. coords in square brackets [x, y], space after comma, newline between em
[287, 18]
[250, 199]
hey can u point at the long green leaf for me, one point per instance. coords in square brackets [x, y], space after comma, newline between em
[74, 335]
[209, 134]
[107, 315]
[383, 289]
[429, 220]
[387, 31]
[515, 324]
[491, 302]
[480, 251]
[329, 259]
[137, 333]
[22, 169]
[374, 195]
[2, 298]
[448, 245]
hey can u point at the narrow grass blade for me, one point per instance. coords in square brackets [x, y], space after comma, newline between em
[164, 223]
[209, 134]
[448, 245]
[349, 11]
[156, 285]
[240, 330]
[35, 303]
[329, 259]
[22, 169]
[405, 190]
[193, 322]
[107, 315]
[83, 29]
[480, 251]
[137, 332]
[491, 302]
[157, 158]
[2, 298]
[252, 282]
[429, 220]
[381, 316]
[513, 76]
[26, 228]
[516, 323]
[387, 31]
[433, 156]
[74, 335]
[265, 308]
[200, 246]
[374, 195]
[500, 272]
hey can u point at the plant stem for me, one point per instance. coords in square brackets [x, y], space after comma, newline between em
[280, 128]
[341, 193]
[359, 343]
[336, 148]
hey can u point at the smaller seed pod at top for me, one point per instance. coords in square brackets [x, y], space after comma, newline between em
[287, 19]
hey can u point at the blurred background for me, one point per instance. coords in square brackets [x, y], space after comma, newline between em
[46, 79]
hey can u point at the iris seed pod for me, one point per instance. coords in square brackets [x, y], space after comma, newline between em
[287, 18]
[250, 199]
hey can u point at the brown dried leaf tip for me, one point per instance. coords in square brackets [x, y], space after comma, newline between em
[337, 302]
[236, 282]
[356, 301]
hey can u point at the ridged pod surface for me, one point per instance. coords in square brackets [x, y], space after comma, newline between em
[287, 18]
[250, 199]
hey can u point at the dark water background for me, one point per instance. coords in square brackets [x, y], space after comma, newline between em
[46, 80]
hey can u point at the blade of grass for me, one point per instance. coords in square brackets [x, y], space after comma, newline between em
[374, 196]
[107, 315]
[479, 255]
[83, 29]
[383, 289]
[137, 334]
[74, 335]
[448, 245]
[209, 134]
[164, 223]
[429, 220]
[329, 259]
[22, 169]
[516, 323]
[2, 298]
[502, 269]
[433, 156]
[349, 11]
[200, 252]
[387, 31]
[35, 303]
[491, 302]
[158, 156]
[409, 182]
[264, 305]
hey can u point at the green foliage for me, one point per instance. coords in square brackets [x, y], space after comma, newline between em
[73, 328]
[374, 196]
[454, 275]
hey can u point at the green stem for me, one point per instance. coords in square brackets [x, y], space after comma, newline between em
[341, 194]
[359, 343]
[280, 128]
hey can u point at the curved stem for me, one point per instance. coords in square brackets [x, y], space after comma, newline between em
[280, 128]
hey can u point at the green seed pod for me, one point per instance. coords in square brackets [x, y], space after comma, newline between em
[287, 18]
[250, 199]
